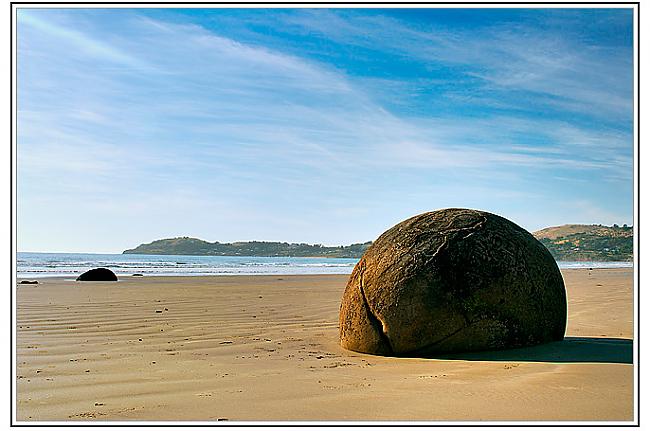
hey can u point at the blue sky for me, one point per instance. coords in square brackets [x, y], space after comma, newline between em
[316, 125]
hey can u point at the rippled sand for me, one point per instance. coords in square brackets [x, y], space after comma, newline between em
[248, 348]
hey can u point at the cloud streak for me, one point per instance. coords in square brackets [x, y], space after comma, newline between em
[512, 56]
[182, 110]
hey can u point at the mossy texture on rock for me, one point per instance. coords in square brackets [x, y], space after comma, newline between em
[98, 274]
[452, 280]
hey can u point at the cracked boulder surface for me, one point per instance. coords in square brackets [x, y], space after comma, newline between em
[452, 280]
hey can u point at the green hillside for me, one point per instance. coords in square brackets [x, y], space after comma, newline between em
[197, 247]
[588, 242]
[566, 243]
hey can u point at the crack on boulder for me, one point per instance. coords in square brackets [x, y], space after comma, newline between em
[423, 349]
[374, 320]
[473, 229]
[445, 232]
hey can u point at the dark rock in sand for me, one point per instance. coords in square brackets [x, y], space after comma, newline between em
[452, 280]
[28, 282]
[98, 274]
[137, 275]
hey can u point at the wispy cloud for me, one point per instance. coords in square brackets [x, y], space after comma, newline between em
[226, 127]
[258, 99]
[77, 40]
[557, 68]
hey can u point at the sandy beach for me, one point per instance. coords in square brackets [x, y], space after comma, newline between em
[248, 348]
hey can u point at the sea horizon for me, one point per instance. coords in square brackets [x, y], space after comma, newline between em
[40, 264]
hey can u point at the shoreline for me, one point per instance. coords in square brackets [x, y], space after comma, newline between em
[265, 347]
[41, 265]
[148, 277]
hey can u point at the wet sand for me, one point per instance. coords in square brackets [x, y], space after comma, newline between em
[249, 348]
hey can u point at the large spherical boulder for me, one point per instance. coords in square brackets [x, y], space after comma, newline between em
[450, 281]
[98, 274]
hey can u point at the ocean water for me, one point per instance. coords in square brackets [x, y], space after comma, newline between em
[34, 265]
[72, 264]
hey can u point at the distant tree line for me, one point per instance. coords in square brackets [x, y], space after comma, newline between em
[198, 247]
[595, 243]
[590, 247]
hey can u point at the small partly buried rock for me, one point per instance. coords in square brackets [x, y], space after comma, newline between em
[28, 282]
[137, 275]
[449, 281]
[98, 274]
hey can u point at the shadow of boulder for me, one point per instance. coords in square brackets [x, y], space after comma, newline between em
[571, 349]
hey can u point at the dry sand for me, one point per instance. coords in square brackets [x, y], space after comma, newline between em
[266, 348]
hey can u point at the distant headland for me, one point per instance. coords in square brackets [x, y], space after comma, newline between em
[580, 242]
[199, 247]
[571, 242]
